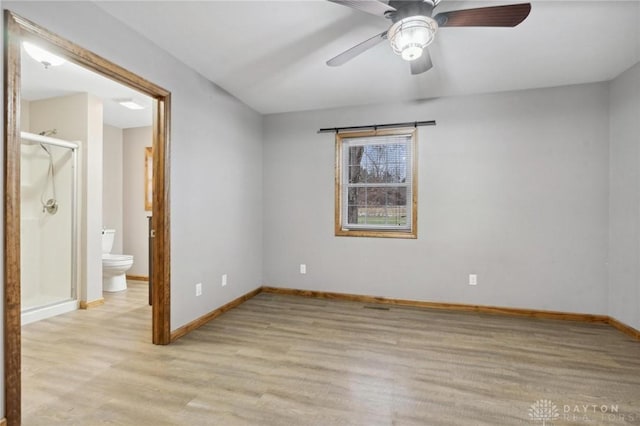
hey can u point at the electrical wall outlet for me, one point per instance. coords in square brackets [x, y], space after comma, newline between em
[473, 279]
[224, 280]
[199, 289]
[303, 268]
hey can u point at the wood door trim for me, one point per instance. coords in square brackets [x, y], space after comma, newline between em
[161, 269]
[12, 331]
[84, 57]
[18, 29]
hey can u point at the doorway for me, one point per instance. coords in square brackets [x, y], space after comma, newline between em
[17, 31]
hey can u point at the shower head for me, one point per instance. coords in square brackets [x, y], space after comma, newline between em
[49, 132]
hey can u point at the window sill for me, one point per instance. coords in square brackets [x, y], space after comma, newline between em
[413, 234]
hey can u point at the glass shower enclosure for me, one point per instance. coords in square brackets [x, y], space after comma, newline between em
[48, 226]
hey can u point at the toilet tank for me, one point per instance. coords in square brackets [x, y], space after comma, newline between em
[108, 236]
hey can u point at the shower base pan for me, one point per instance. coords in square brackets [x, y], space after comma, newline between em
[43, 312]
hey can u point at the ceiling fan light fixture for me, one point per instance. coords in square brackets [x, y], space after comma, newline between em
[45, 57]
[410, 36]
[412, 53]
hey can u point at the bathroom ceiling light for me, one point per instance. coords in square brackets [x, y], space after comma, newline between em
[46, 58]
[129, 103]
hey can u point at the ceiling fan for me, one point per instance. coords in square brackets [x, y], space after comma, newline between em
[413, 27]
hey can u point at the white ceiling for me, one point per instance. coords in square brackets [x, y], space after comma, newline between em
[272, 54]
[67, 79]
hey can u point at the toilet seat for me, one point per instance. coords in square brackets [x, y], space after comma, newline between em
[115, 260]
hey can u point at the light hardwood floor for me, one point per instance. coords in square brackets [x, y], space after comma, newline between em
[286, 360]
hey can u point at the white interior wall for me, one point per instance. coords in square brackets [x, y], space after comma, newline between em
[25, 125]
[91, 173]
[135, 216]
[112, 184]
[512, 187]
[624, 198]
[29, 271]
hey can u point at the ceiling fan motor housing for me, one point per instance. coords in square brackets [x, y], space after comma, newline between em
[407, 8]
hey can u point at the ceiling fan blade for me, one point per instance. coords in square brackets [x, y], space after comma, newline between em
[349, 54]
[373, 7]
[494, 16]
[422, 64]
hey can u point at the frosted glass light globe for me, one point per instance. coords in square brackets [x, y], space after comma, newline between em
[410, 36]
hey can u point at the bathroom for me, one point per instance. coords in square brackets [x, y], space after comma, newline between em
[83, 176]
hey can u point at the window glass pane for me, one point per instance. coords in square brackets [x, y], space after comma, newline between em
[357, 202]
[375, 198]
[386, 196]
[355, 155]
[396, 196]
[357, 214]
[397, 215]
[384, 163]
[356, 175]
[397, 206]
[377, 206]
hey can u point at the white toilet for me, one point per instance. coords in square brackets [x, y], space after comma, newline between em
[114, 266]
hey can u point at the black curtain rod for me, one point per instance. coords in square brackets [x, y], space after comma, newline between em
[378, 126]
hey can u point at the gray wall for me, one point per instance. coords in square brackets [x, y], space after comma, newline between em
[512, 187]
[216, 160]
[624, 198]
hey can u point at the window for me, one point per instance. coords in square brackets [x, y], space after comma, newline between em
[376, 192]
